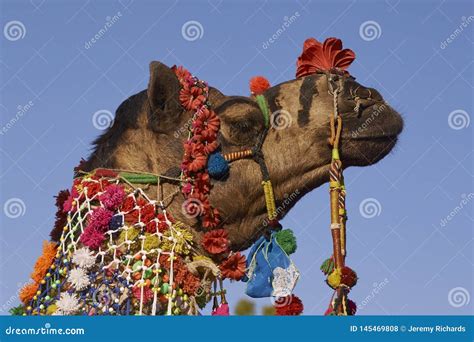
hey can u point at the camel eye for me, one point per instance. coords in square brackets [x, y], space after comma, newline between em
[243, 132]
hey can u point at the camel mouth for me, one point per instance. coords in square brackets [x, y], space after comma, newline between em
[371, 135]
[366, 151]
[378, 122]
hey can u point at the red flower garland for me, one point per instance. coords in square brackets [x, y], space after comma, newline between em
[215, 241]
[202, 141]
[233, 267]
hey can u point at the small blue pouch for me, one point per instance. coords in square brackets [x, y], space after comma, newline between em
[267, 260]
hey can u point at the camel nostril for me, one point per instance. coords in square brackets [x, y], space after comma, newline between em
[374, 95]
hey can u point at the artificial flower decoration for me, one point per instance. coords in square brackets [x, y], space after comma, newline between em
[92, 238]
[147, 293]
[211, 218]
[105, 173]
[221, 310]
[325, 56]
[83, 258]
[179, 239]
[78, 279]
[258, 85]
[352, 307]
[192, 96]
[191, 283]
[100, 219]
[233, 267]
[112, 197]
[94, 186]
[182, 74]
[44, 261]
[70, 202]
[27, 292]
[289, 306]
[67, 304]
[215, 241]
[348, 276]
[61, 216]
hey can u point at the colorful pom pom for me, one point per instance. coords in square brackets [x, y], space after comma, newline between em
[287, 241]
[327, 266]
[27, 292]
[289, 306]
[348, 276]
[258, 85]
[221, 310]
[352, 307]
[217, 166]
[334, 279]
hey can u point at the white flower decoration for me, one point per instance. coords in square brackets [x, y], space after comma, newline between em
[67, 304]
[78, 278]
[84, 258]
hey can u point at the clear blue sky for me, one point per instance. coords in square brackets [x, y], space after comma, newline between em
[418, 264]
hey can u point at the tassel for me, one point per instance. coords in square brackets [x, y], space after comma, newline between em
[269, 199]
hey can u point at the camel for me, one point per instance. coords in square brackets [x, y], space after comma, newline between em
[149, 129]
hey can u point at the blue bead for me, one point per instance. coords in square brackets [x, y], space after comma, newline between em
[116, 222]
[217, 166]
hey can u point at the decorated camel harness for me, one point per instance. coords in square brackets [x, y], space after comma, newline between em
[123, 253]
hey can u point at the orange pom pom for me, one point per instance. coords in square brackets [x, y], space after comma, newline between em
[44, 261]
[27, 292]
[258, 85]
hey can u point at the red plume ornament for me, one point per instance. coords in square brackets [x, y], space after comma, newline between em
[258, 85]
[325, 56]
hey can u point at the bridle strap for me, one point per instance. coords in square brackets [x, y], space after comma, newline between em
[257, 155]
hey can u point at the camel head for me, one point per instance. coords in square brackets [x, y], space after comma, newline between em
[150, 127]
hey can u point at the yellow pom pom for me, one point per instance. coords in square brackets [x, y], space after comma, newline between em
[51, 309]
[334, 279]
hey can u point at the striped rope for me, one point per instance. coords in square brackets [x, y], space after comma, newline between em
[232, 156]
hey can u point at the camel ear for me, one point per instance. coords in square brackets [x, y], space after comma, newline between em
[163, 96]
